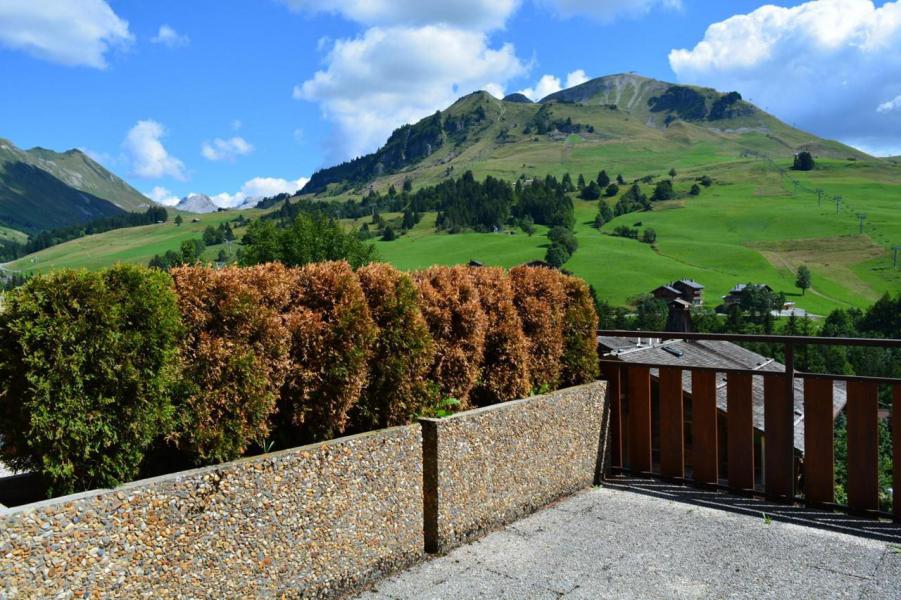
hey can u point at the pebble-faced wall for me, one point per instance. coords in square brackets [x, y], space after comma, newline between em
[487, 467]
[306, 522]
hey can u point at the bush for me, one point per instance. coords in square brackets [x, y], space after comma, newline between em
[557, 255]
[803, 161]
[540, 299]
[649, 236]
[402, 352]
[87, 362]
[451, 306]
[580, 324]
[505, 366]
[591, 192]
[565, 237]
[235, 356]
[331, 339]
[663, 191]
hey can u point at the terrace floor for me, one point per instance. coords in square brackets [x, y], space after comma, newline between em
[647, 539]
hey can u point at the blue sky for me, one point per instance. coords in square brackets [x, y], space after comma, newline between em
[240, 98]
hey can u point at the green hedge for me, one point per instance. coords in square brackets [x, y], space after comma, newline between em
[87, 363]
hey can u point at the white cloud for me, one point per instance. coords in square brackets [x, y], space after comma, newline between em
[230, 149]
[548, 84]
[161, 195]
[259, 187]
[495, 89]
[821, 65]
[69, 32]
[390, 76]
[169, 37]
[607, 11]
[481, 15]
[893, 104]
[577, 77]
[148, 157]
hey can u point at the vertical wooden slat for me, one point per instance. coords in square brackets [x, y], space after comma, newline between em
[640, 419]
[819, 453]
[863, 446]
[613, 376]
[778, 427]
[740, 421]
[896, 445]
[672, 422]
[705, 441]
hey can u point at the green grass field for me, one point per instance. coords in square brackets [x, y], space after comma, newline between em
[747, 227]
[130, 245]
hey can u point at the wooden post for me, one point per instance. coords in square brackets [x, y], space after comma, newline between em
[863, 446]
[819, 444]
[778, 417]
[640, 419]
[705, 441]
[740, 419]
[672, 423]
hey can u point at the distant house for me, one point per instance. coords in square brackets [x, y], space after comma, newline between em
[667, 293]
[716, 354]
[687, 289]
[735, 294]
[690, 290]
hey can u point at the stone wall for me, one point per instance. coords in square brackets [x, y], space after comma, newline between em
[306, 522]
[487, 467]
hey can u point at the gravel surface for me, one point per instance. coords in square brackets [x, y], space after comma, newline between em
[616, 543]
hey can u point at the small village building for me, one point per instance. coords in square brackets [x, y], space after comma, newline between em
[691, 291]
[735, 294]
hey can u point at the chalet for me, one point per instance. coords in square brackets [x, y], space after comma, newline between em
[717, 354]
[735, 294]
[690, 290]
[667, 293]
[687, 289]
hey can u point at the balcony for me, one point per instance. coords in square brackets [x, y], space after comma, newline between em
[711, 414]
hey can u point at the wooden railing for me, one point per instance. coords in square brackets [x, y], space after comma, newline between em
[785, 474]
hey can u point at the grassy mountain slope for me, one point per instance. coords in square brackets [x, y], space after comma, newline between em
[41, 189]
[130, 245]
[635, 121]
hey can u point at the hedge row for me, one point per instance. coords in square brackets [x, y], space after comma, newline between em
[97, 369]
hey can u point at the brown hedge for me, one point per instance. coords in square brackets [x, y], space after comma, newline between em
[540, 299]
[450, 304]
[331, 338]
[235, 355]
[402, 352]
[580, 324]
[505, 366]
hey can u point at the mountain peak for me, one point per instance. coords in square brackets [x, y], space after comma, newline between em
[196, 203]
[518, 98]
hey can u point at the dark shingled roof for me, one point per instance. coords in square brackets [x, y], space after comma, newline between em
[691, 283]
[716, 354]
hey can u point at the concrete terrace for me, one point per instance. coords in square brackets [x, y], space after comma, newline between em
[646, 539]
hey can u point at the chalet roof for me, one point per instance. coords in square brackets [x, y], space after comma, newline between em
[691, 283]
[717, 354]
[681, 302]
[667, 288]
[740, 287]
